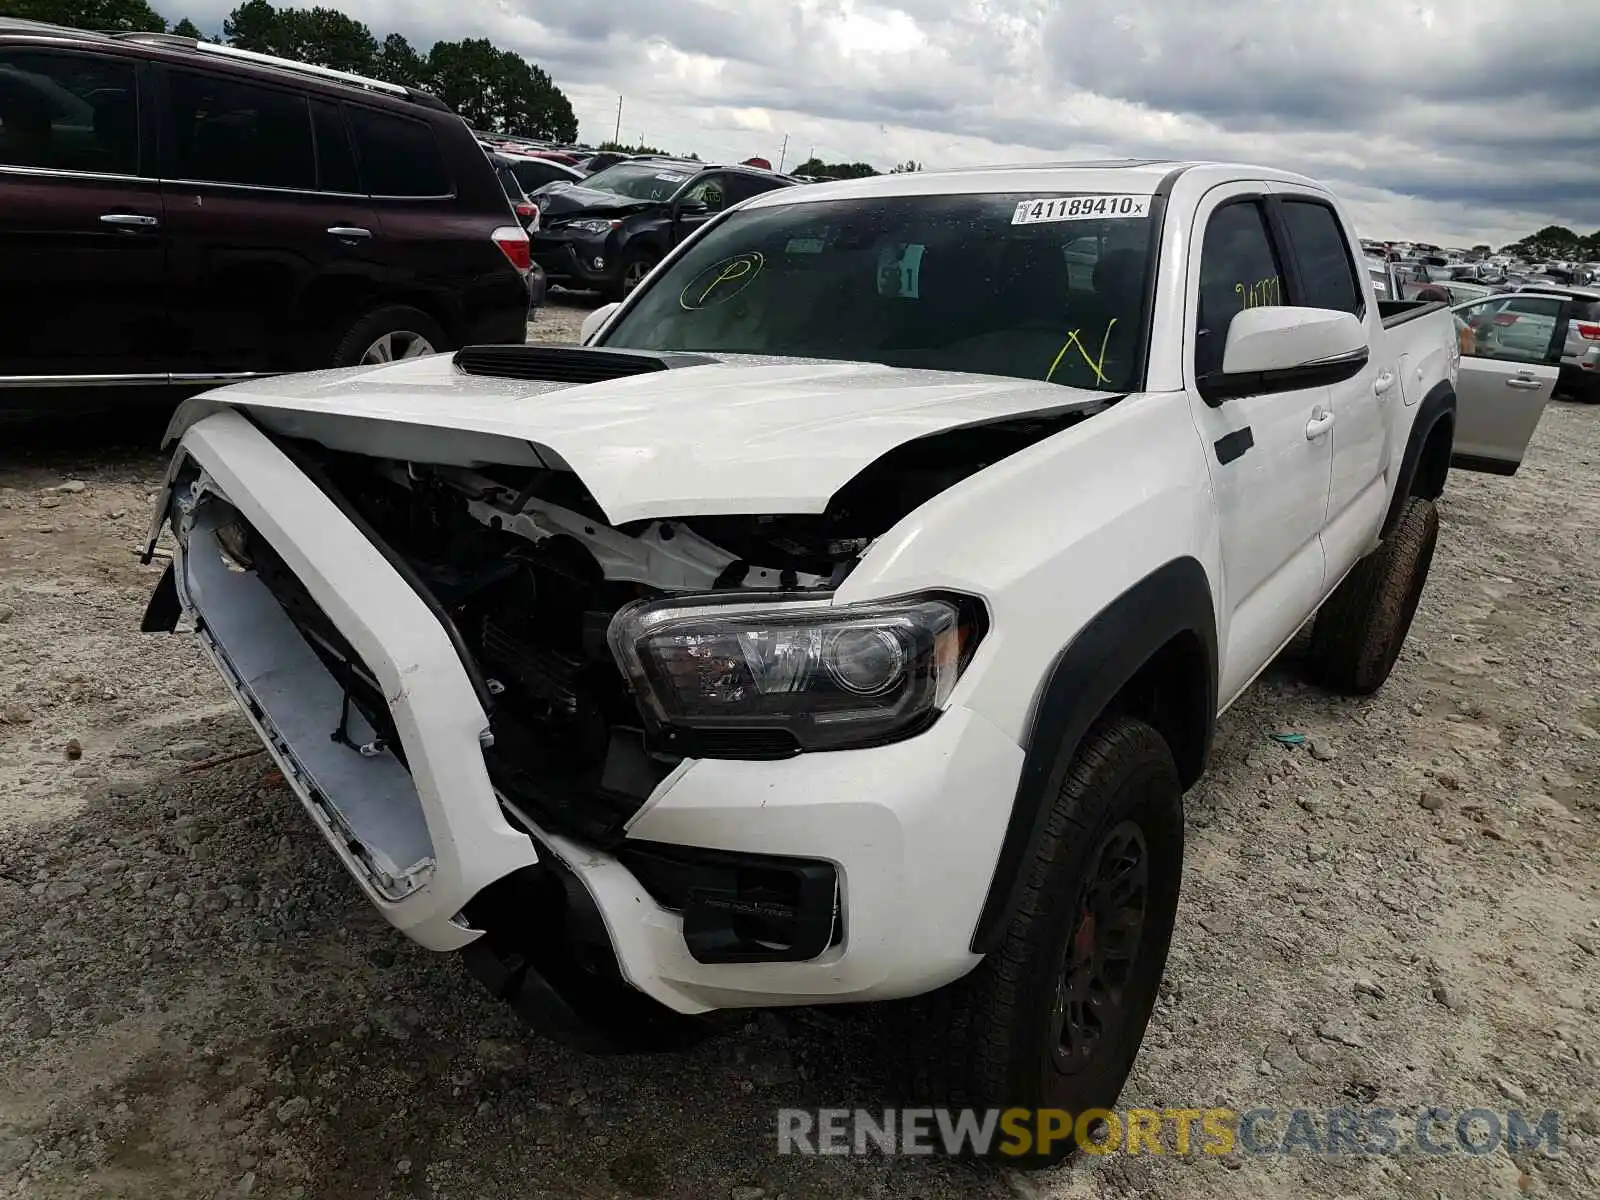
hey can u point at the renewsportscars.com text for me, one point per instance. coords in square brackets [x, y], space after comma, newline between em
[1021, 1132]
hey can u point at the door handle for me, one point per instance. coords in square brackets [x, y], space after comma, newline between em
[1383, 383]
[350, 233]
[1524, 384]
[130, 220]
[1319, 424]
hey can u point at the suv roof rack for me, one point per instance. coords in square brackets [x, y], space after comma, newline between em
[269, 60]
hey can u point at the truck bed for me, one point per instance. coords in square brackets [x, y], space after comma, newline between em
[1398, 312]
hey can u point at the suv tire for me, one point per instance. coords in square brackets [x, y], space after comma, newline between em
[1018, 1030]
[635, 266]
[400, 325]
[1359, 631]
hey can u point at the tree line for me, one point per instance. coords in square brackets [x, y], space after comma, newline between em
[495, 90]
[1559, 242]
[854, 170]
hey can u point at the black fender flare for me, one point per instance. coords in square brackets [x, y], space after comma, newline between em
[1439, 404]
[1082, 682]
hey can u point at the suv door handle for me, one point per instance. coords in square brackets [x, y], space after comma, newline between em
[130, 220]
[1524, 384]
[1383, 382]
[350, 233]
[1319, 424]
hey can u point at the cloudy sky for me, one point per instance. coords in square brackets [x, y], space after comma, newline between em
[1475, 121]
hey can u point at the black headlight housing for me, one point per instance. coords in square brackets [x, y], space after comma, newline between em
[743, 676]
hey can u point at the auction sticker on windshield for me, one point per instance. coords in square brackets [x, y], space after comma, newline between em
[1079, 208]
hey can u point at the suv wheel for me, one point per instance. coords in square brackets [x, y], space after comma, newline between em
[1359, 632]
[635, 267]
[394, 332]
[1054, 1016]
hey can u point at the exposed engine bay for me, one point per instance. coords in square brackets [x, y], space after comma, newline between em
[521, 563]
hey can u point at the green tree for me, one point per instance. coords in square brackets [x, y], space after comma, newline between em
[256, 25]
[328, 38]
[123, 16]
[906, 168]
[463, 75]
[822, 170]
[397, 62]
[187, 28]
[530, 104]
[499, 90]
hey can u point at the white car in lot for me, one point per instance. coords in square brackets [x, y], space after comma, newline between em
[847, 618]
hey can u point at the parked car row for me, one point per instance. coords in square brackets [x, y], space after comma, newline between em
[1501, 313]
[607, 232]
[180, 213]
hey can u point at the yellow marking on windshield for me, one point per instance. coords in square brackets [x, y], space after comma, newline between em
[740, 266]
[1095, 365]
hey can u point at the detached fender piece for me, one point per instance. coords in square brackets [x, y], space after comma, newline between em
[1089, 674]
[1426, 462]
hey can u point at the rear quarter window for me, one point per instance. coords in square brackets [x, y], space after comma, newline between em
[400, 156]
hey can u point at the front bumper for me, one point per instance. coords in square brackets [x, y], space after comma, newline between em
[571, 258]
[913, 850]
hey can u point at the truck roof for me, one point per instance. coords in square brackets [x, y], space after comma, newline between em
[1130, 176]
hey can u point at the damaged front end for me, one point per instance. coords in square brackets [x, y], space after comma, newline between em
[477, 685]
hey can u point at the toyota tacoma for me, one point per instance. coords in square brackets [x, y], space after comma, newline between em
[844, 619]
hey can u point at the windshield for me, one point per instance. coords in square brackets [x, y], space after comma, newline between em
[640, 181]
[1048, 287]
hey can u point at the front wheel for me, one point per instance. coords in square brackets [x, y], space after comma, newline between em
[1053, 1018]
[635, 267]
[388, 334]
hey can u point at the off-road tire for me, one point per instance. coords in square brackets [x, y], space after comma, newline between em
[391, 318]
[985, 1041]
[1359, 632]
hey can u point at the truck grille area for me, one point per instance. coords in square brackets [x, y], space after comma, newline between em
[567, 744]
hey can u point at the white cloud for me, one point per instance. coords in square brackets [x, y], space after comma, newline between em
[1455, 124]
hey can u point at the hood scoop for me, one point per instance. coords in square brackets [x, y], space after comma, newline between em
[568, 364]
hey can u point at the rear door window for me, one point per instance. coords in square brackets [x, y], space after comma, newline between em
[1239, 269]
[399, 155]
[68, 112]
[534, 174]
[742, 187]
[1327, 275]
[223, 130]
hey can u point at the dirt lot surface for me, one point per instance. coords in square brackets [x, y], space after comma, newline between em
[1402, 911]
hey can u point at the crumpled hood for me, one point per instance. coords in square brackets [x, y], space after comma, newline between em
[745, 434]
[574, 199]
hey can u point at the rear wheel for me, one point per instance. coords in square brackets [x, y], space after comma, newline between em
[1054, 1017]
[1359, 632]
[390, 333]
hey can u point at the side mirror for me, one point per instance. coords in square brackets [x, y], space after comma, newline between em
[1273, 348]
[692, 208]
[593, 322]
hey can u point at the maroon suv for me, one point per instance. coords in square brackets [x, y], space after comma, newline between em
[174, 213]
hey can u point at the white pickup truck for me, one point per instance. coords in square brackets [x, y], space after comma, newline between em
[845, 620]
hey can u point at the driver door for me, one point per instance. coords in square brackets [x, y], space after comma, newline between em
[1510, 360]
[704, 199]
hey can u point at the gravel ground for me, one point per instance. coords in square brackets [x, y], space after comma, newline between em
[196, 1002]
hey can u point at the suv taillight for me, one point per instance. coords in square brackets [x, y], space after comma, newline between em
[513, 243]
[524, 209]
[1588, 332]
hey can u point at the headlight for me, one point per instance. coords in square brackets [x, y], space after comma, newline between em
[594, 226]
[772, 678]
